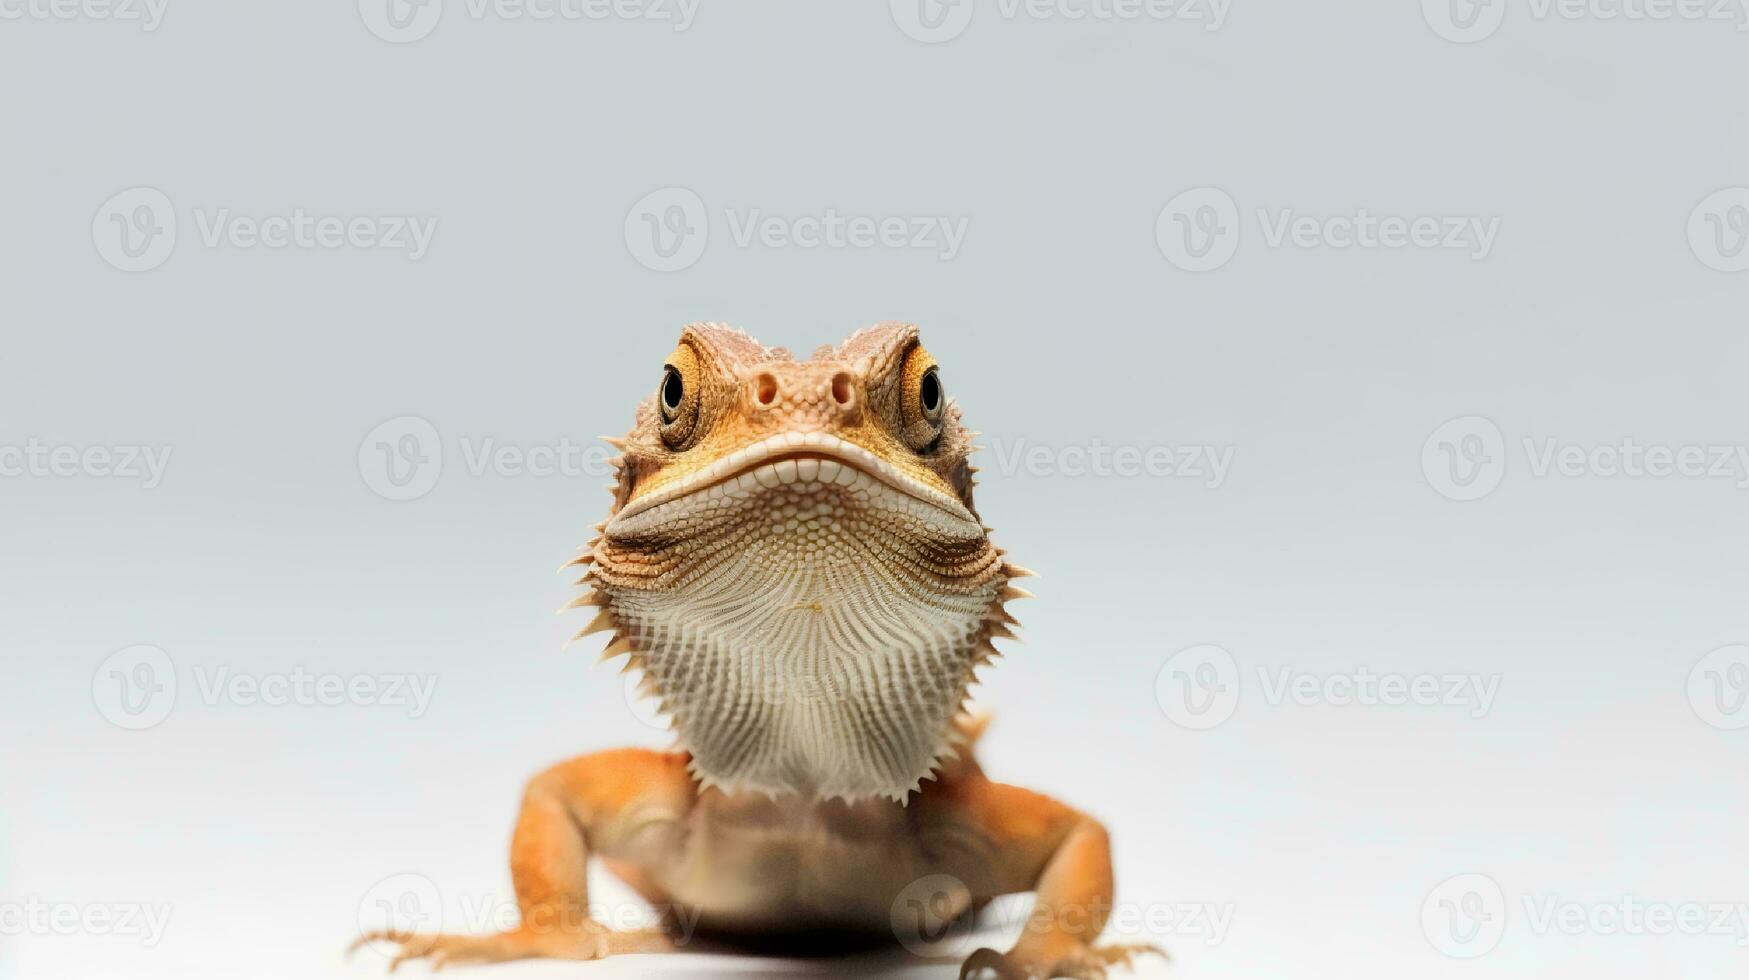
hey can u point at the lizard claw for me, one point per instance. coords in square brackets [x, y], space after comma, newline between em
[592, 943]
[988, 959]
[1081, 963]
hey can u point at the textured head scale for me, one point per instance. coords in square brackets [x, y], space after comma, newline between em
[794, 561]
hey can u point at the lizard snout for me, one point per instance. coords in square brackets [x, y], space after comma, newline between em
[827, 398]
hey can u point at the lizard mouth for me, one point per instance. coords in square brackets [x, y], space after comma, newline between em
[798, 458]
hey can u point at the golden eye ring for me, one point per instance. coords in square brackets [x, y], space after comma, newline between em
[923, 401]
[677, 397]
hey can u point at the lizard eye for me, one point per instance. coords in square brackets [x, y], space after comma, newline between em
[673, 389]
[929, 395]
[677, 397]
[924, 402]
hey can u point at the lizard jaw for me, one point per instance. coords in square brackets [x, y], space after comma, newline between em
[758, 464]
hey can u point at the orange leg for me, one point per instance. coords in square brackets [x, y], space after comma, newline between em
[1037, 844]
[626, 805]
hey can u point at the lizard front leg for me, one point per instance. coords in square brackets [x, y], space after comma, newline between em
[1037, 844]
[624, 804]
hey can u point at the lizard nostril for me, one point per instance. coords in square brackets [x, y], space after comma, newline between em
[765, 389]
[841, 391]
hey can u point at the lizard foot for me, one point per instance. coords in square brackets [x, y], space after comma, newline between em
[592, 943]
[1079, 962]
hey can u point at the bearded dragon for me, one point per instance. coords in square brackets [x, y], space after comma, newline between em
[794, 563]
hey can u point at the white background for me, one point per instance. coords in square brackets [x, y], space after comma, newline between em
[1062, 320]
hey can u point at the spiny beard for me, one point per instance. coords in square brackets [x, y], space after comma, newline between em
[805, 639]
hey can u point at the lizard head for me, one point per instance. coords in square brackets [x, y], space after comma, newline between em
[794, 562]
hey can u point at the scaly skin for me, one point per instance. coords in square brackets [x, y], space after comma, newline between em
[794, 562]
